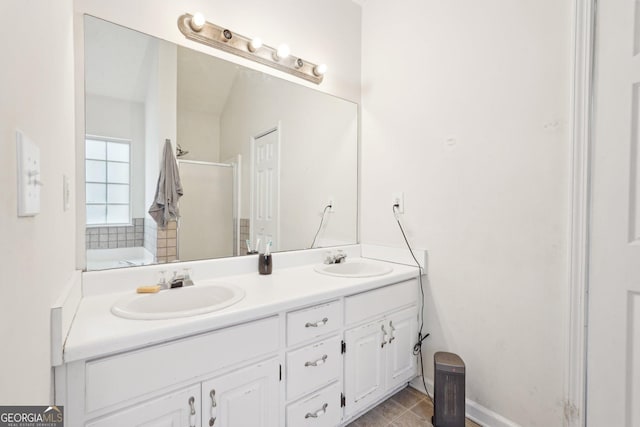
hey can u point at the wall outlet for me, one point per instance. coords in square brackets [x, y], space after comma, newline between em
[398, 199]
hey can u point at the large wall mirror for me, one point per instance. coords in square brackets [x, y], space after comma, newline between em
[259, 157]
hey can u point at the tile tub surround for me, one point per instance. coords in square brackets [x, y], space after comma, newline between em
[406, 408]
[150, 235]
[244, 235]
[167, 243]
[113, 237]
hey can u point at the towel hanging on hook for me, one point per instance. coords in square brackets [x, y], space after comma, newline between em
[168, 189]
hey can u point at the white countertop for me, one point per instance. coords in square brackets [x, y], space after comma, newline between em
[96, 332]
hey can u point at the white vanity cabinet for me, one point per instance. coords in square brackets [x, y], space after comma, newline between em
[247, 397]
[304, 365]
[379, 347]
[171, 383]
[177, 409]
[314, 366]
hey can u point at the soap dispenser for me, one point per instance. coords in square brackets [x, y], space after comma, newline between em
[265, 262]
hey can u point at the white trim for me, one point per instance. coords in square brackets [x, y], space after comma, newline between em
[276, 128]
[576, 363]
[473, 410]
[62, 314]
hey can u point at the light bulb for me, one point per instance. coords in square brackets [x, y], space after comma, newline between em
[197, 21]
[255, 44]
[282, 52]
[320, 69]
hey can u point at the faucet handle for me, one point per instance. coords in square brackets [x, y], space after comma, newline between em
[162, 280]
[328, 257]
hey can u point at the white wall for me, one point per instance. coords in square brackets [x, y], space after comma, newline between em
[36, 254]
[326, 31]
[199, 134]
[468, 116]
[117, 118]
[160, 113]
[318, 154]
[198, 127]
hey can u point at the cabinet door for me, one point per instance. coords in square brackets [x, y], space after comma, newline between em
[178, 409]
[401, 364]
[364, 365]
[247, 397]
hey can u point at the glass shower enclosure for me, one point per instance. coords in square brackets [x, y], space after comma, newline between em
[208, 226]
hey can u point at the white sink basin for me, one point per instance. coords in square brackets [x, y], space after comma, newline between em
[354, 269]
[180, 302]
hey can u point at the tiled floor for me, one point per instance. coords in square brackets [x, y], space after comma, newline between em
[407, 408]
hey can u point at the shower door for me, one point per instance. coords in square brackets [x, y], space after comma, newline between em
[207, 225]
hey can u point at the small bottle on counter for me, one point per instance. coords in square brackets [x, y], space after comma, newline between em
[265, 262]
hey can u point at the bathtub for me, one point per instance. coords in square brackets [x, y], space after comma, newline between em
[103, 259]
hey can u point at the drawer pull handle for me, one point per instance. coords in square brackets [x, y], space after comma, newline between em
[384, 336]
[316, 324]
[214, 406]
[192, 411]
[318, 413]
[317, 362]
[391, 333]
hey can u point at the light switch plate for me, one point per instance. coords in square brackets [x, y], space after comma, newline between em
[29, 182]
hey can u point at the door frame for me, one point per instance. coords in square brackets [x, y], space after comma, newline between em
[252, 192]
[575, 401]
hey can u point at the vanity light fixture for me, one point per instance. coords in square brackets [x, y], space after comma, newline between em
[254, 44]
[282, 52]
[320, 69]
[197, 22]
[195, 27]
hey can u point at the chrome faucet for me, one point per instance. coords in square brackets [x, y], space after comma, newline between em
[177, 281]
[335, 257]
[182, 280]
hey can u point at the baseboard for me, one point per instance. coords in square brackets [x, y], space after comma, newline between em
[62, 313]
[473, 410]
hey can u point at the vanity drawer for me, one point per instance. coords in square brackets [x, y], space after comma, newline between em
[321, 409]
[373, 303]
[124, 377]
[312, 366]
[313, 322]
